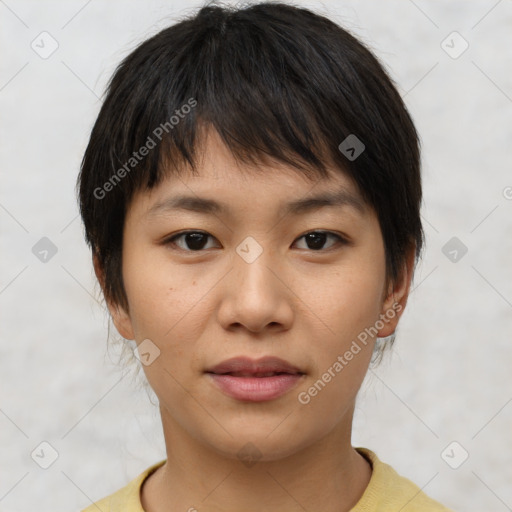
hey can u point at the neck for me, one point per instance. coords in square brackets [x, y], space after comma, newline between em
[328, 475]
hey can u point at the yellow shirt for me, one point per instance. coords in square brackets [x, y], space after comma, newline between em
[387, 491]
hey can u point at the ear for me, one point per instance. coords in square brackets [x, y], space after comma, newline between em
[396, 297]
[120, 317]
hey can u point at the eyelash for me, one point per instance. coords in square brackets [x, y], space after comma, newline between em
[171, 241]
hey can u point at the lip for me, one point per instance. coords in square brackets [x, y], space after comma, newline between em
[255, 380]
[253, 366]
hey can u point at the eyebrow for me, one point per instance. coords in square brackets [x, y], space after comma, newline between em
[339, 198]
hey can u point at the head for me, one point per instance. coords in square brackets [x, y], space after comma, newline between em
[288, 243]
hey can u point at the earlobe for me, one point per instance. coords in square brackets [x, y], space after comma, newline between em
[120, 317]
[122, 321]
[396, 299]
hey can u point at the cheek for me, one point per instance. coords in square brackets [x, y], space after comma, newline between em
[165, 307]
[166, 301]
[347, 302]
[347, 299]
[342, 354]
[149, 287]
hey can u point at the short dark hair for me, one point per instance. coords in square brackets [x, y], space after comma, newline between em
[274, 80]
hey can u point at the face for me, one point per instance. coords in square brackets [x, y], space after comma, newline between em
[252, 267]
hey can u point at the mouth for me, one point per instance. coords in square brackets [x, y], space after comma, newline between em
[246, 367]
[251, 380]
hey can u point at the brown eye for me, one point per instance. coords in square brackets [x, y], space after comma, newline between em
[197, 241]
[191, 241]
[316, 240]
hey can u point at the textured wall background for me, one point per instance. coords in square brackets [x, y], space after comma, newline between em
[448, 379]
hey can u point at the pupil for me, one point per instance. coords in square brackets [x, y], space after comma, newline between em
[194, 240]
[315, 240]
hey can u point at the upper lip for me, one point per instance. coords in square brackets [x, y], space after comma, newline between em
[246, 365]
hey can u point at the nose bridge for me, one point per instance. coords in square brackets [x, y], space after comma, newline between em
[255, 296]
[253, 264]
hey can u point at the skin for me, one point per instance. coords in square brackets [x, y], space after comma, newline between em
[305, 305]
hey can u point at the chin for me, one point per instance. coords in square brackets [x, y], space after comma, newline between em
[252, 449]
[262, 439]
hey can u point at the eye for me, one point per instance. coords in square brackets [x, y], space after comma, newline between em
[195, 240]
[315, 240]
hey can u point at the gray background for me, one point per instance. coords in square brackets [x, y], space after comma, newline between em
[448, 378]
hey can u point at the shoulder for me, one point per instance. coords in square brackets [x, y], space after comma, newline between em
[126, 499]
[389, 491]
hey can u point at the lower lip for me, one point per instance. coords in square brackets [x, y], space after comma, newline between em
[256, 389]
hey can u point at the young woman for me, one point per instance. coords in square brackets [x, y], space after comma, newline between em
[251, 195]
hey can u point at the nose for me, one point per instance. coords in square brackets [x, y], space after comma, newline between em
[256, 297]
